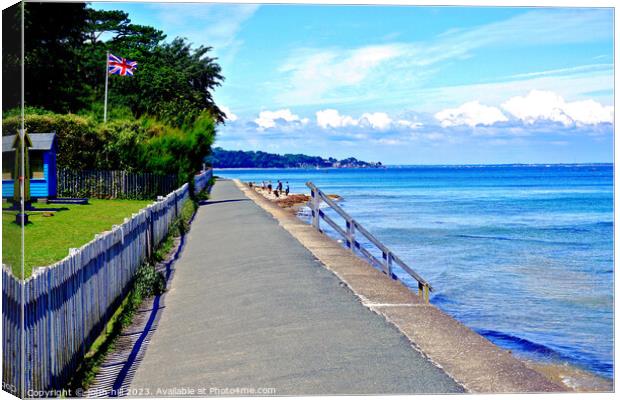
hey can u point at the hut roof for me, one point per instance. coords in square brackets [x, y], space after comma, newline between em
[40, 141]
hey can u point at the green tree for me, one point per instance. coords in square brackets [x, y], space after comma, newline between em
[65, 62]
[180, 151]
[173, 82]
[11, 56]
[53, 70]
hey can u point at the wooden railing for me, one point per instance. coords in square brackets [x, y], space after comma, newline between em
[389, 259]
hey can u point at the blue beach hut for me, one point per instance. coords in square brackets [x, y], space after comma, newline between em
[42, 158]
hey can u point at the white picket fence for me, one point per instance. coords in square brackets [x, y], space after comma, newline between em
[68, 304]
[201, 181]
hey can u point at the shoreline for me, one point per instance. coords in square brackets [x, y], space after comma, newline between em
[571, 377]
[292, 200]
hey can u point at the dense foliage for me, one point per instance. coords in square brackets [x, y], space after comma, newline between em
[258, 159]
[131, 144]
[11, 57]
[160, 120]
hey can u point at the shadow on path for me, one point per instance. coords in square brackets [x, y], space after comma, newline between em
[119, 367]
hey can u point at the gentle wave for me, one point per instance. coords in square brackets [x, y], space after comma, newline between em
[540, 350]
[521, 343]
[575, 244]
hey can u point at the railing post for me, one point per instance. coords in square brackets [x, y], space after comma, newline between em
[424, 292]
[351, 235]
[388, 259]
[316, 204]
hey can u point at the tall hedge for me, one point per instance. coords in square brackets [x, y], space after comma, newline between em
[135, 145]
[77, 136]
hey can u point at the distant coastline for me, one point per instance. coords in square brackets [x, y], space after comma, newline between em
[238, 159]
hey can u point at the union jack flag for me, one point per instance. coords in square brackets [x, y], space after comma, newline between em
[120, 66]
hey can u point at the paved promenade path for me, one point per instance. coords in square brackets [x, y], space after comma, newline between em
[250, 307]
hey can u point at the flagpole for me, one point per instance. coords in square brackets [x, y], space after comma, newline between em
[105, 101]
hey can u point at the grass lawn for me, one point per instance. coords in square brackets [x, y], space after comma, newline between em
[48, 239]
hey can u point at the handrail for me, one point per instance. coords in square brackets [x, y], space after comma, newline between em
[352, 226]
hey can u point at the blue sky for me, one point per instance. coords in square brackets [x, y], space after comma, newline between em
[406, 85]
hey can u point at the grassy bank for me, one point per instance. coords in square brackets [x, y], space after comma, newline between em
[49, 238]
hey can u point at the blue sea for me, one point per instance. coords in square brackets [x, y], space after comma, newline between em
[521, 254]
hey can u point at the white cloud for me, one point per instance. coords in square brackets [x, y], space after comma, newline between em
[331, 118]
[472, 114]
[269, 119]
[539, 105]
[378, 120]
[229, 114]
[589, 112]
